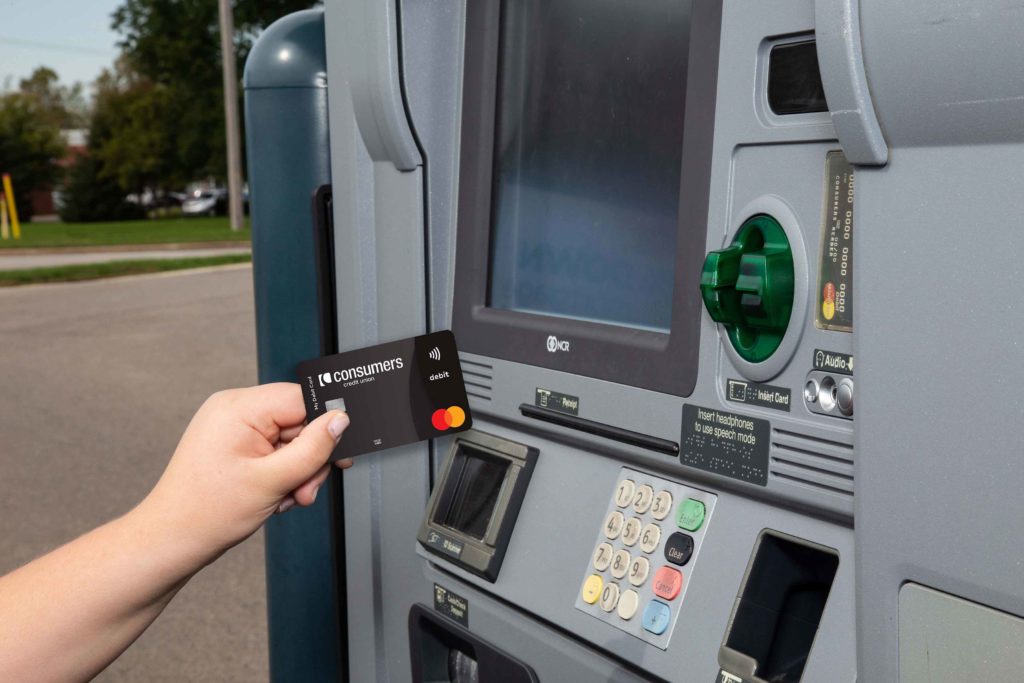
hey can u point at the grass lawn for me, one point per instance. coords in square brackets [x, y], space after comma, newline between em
[93, 271]
[155, 231]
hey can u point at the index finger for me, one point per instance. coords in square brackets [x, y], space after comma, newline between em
[270, 408]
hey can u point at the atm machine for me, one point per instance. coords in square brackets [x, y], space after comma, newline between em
[734, 288]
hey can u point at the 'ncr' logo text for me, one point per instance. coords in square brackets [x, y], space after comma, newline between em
[555, 344]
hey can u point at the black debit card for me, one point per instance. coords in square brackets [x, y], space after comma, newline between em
[395, 393]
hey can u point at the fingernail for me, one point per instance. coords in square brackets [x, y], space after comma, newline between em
[313, 498]
[286, 505]
[337, 425]
[343, 464]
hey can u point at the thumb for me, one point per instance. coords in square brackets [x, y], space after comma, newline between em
[292, 465]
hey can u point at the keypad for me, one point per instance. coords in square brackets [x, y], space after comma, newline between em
[645, 555]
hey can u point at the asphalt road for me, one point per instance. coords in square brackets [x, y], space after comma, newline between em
[97, 382]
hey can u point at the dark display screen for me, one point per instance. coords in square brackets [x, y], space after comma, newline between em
[475, 492]
[587, 159]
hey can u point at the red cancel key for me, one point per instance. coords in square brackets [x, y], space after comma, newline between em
[667, 583]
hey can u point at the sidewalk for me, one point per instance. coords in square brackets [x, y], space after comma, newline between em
[46, 257]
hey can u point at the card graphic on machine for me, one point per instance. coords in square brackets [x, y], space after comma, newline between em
[395, 393]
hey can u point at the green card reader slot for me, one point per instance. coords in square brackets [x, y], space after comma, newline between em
[748, 287]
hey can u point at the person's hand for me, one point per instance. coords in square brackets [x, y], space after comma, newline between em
[244, 456]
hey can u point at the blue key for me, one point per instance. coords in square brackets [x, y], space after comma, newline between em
[656, 617]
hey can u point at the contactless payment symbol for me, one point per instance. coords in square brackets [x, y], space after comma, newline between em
[450, 418]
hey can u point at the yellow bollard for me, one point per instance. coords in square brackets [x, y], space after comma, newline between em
[5, 231]
[11, 207]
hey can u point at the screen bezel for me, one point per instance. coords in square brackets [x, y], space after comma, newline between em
[637, 357]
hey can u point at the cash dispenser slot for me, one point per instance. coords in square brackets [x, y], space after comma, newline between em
[776, 615]
[444, 652]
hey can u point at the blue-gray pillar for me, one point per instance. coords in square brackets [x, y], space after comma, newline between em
[287, 145]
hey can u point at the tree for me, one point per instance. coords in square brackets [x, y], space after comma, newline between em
[131, 131]
[30, 144]
[64, 106]
[88, 195]
[130, 149]
[175, 44]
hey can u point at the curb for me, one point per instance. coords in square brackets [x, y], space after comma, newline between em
[113, 248]
[17, 289]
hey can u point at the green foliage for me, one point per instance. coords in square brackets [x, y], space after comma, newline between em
[63, 106]
[30, 143]
[131, 149]
[89, 196]
[131, 131]
[175, 44]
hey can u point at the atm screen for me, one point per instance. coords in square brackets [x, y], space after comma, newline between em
[475, 492]
[587, 159]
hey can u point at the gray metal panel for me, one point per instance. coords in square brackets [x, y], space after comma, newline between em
[811, 453]
[841, 60]
[938, 374]
[554, 654]
[432, 46]
[755, 156]
[553, 542]
[380, 264]
[287, 136]
[939, 406]
[946, 72]
[944, 639]
[363, 36]
[384, 263]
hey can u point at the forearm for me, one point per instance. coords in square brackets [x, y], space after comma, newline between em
[68, 614]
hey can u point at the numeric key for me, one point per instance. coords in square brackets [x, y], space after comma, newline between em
[624, 492]
[642, 499]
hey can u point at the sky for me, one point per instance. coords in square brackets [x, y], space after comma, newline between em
[72, 37]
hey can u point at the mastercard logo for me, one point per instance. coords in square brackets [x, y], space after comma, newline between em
[451, 418]
[828, 301]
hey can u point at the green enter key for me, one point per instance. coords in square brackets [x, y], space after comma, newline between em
[690, 515]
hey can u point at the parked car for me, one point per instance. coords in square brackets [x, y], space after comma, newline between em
[156, 200]
[209, 202]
